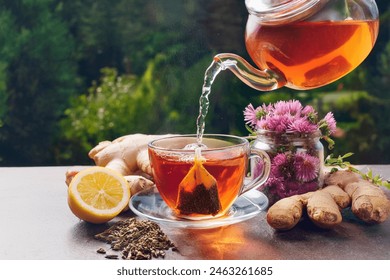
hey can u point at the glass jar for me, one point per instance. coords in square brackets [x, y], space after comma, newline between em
[297, 163]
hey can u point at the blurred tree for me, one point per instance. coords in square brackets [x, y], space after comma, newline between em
[164, 44]
[368, 128]
[7, 52]
[126, 34]
[154, 54]
[37, 76]
[106, 111]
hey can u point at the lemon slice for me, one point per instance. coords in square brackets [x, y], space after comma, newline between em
[98, 194]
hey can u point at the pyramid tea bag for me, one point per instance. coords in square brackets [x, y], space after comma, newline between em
[198, 191]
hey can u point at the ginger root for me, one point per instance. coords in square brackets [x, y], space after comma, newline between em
[369, 202]
[344, 188]
[323, 208]
[287, 212]
[128, 155]
[122, 154]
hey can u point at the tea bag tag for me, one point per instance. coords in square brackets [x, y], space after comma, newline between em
[198, 191]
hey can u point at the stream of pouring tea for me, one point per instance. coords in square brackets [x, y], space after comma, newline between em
[204, 102]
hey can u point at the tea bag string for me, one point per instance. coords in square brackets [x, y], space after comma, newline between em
[198, 161]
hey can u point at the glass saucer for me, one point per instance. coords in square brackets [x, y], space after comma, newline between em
[149, 204]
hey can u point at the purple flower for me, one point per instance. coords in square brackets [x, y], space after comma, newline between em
[329, 124]
[309, 113]
[292, 174]
[281, 190]
[288, 117]
[281, 108]
[308, 187]
[308, 110]
[278, 123]
[292, 108]
[253, 115]
[294, 170]
[250, 115]
[261, 124]
[302, 125]
[274, 186]
[280, 165]
[264, 110]
[306, 167]
[295, 108]
[290, 188]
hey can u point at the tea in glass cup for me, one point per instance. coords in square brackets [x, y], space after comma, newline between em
[206, 189]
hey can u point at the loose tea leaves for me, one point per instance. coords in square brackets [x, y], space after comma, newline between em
[198, 191]
[112, 257]
[136, 239]
[101, 251]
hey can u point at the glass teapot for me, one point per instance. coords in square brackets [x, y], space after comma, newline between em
[303, 44]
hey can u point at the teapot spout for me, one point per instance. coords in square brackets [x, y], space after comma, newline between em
[263, 80]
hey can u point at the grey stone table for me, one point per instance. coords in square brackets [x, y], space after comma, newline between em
[36, 224]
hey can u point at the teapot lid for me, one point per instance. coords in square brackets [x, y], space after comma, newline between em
[275, 12]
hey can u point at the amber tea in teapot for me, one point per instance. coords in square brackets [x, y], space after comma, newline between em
[302, 44]
[304, 52]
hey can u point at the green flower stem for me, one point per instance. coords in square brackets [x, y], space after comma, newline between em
[340, 162]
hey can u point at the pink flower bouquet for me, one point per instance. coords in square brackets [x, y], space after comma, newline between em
[290, 133]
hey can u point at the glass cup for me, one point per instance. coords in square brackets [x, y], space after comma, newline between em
[225, 158]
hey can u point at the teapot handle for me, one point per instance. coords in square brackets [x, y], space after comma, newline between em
[263, 80]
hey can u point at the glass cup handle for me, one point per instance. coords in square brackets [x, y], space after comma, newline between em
[260, 166]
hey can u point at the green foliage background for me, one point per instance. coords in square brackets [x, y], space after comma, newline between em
[73, 73]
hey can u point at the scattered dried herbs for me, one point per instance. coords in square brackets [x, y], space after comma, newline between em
[111, 257]
[136, 239]
[101, 251]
